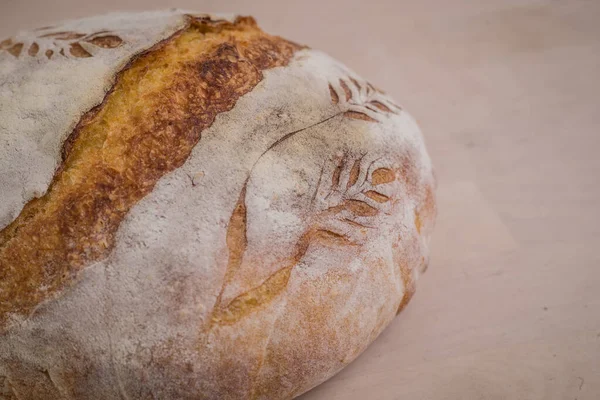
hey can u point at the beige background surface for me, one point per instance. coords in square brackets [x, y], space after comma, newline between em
[506, 92]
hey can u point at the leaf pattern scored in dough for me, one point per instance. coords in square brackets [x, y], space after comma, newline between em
[351, 194]
[66, 43]
[361, 100]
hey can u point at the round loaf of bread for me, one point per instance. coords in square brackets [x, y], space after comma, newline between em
[194, 209]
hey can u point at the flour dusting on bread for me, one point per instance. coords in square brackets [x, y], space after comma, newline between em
[271, 257]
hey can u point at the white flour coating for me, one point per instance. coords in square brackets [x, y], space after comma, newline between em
[138, 324]
[42, 99]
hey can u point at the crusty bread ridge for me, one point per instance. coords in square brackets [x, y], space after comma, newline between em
[198, 210]
[145, 127]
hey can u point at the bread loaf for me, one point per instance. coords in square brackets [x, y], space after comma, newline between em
[194, 209]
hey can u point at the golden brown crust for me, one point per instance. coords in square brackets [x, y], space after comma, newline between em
[145, 127]
[425, 213]
[409, 286]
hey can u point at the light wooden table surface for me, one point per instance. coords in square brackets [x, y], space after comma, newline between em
[507, 94]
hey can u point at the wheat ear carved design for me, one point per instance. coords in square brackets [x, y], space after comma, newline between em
[361, 100]
[65, 43]
[351, 193]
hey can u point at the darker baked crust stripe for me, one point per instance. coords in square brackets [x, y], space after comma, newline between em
[146, 126]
